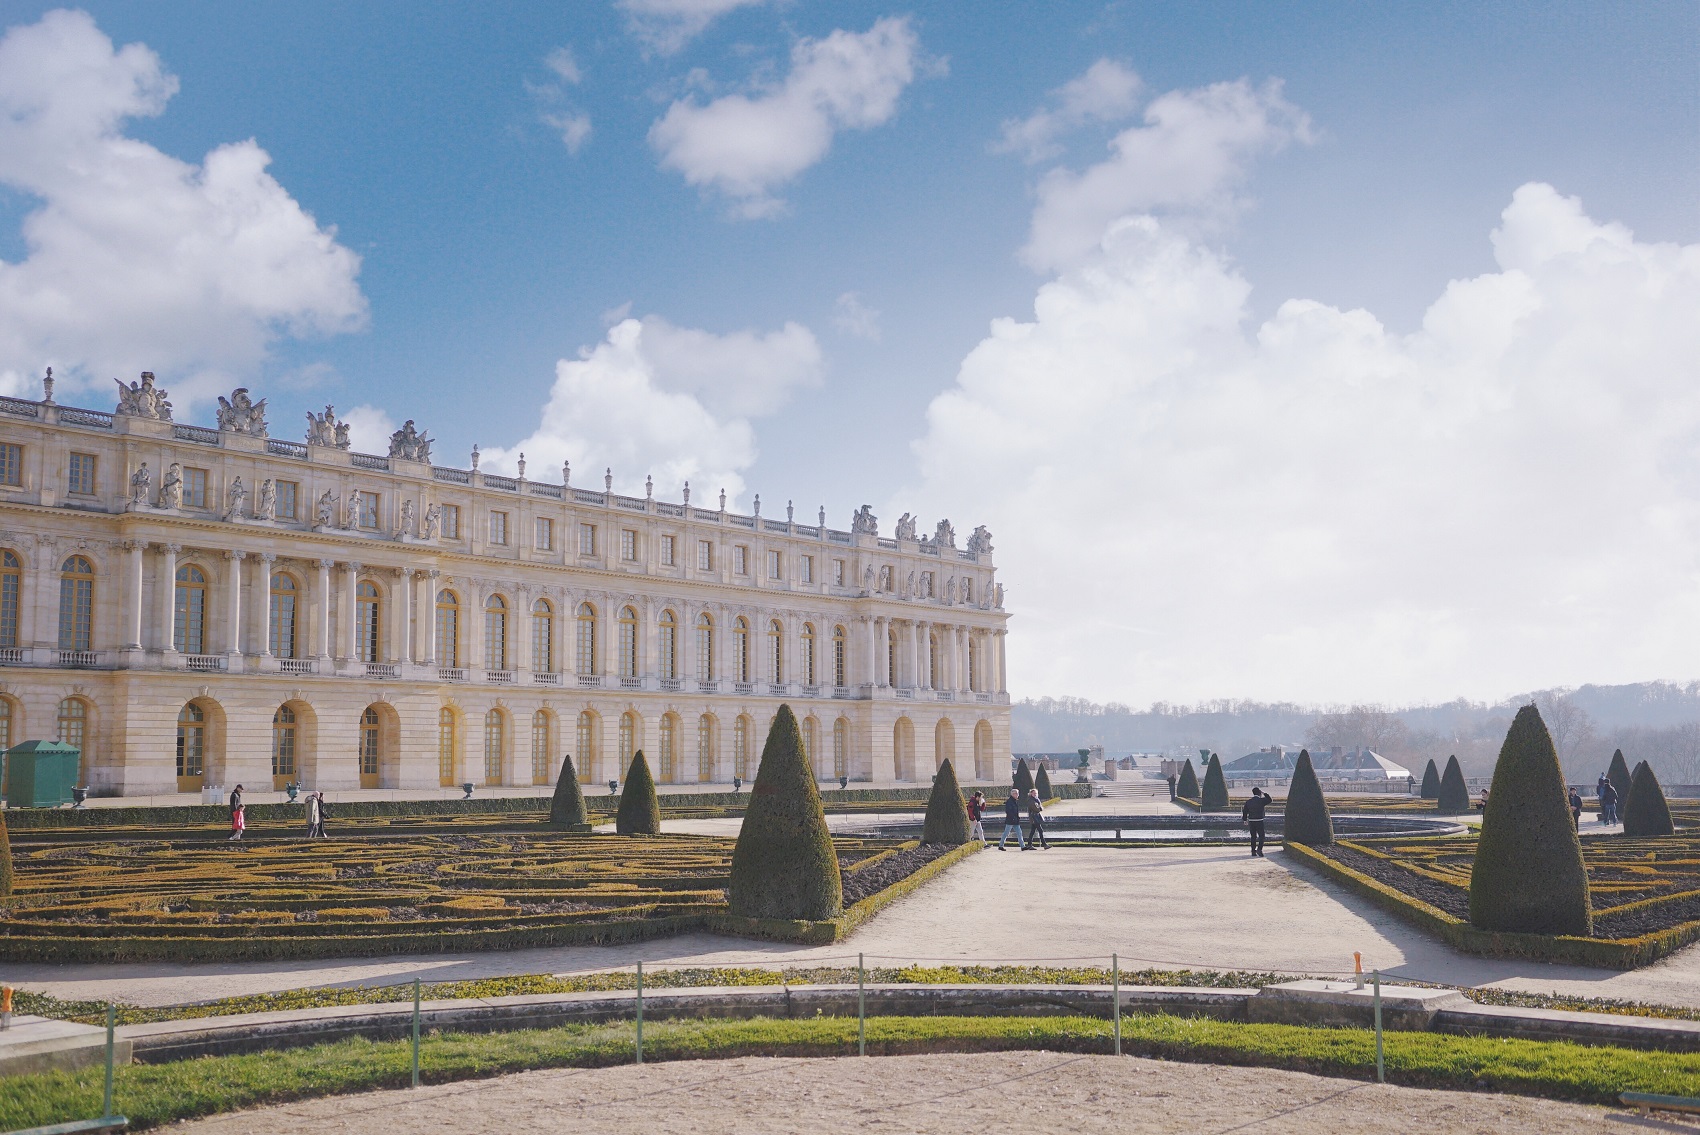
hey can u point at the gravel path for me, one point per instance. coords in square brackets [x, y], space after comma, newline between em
[1034, 1093]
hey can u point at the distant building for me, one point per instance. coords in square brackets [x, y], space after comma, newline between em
[1278, 761]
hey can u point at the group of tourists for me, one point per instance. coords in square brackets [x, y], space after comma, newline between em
[317, 812]
[1012, 809]
[1607, 792]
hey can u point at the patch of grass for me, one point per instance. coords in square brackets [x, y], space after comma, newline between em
[155, 1094]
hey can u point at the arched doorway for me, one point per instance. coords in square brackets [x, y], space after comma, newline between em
[903, 749]
[380, 749]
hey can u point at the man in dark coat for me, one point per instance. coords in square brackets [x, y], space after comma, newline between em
[1012, 820]
[1252, 814]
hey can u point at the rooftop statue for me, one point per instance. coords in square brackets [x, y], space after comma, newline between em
[240, 414]
[410, 444]
[865, 523]
[945, 536]
[143, 399]
[324, 429]
[905, 527]
[981, 542]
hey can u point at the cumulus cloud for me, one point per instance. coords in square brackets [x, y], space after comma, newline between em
[369, 429]
[1189, 505]
[1107, 92]
[1191, 154]
[137, 260]
[665, 26]
[853, 317]
[675, 402]
[554, 108]
[744, 146]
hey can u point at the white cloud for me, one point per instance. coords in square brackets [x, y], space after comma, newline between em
[1191, 154]
[746, 146]
[1106, 92]
[853, 317]
[675, 402]
[1187, 505]
[136, 260]
[553, 108]
[666, 26]
[574, 128]
[369, 429]
[565, 65]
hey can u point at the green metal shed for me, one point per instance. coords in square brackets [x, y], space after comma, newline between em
[41, 774]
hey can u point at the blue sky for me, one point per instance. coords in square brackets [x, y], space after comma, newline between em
[512, 190]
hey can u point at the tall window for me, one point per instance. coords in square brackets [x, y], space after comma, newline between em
[669, 728]
[705, 748]
[451, 522]
[287, 492]
[741, 748]
[589, 755]
[494, 736]
[283, 746]
[446, 746]
[668, 556]
[775, 565]
[543, 637]
[775, 652]
[194, 488]
[669, 628]
[11, 464]
[628, 643]
[11, 587]
[705, 555]
[838, 573]
[370, 507]
[540, 762]
[191, 747]
[586, 639]
[72, 723]
[495, 633]
[81, 474]
[705, 647]
[932, 661]
[740, 650]
[587, 539]
[968, 591]
[545, 534]
[366, 629]
[840, 748]
[891, 657]
[808, 654]
[806, 568]
[628, 740]
[370, 731]
[189, 619]
[448, 630]
[285, 599]
[498, 528]
[5, 724]
[740, 560]
[839, 653]
[76, 604]
[973, 664]
[628, 545]
[809, 746]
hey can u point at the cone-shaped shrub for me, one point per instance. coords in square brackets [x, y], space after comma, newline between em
[640, 811]
[1645, 812]
[1528, 877]
[784, 865]
[947, 816]
[1454, 798]
[1023, 777]
[1042, 781]
[1187, 789]
[567, 808]
[1215, 796]
[5, 858]
[1618, 773]
[1307, 820]
[1431, 782]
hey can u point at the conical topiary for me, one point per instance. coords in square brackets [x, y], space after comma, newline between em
[1454, 799]
[947, 816]
[1187, 789]
[1528, 876]
[784, 865]
[1023, 777]
[1307, 820]
[1431, 782]
[1645, 810]
[5, 858]
[1215, 797]
[640, 811]
[567, 808]
[1042, 781]
[1618, 773]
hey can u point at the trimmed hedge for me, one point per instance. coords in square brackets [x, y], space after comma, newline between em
[947, 816]
[1431, 782]
[5, 858]
[1645, 810]
[1023, 777]
[1618, 773]
[784, 865]
[1187, 788]
[1306, 818]
[1042, 781]
[1454, 798]
[1215, 794]
[566, 809]
[640, 812]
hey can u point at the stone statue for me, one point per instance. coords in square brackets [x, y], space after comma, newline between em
[171, 489]
[885, 579]
[998, 599]
[238, 497]
[980, 543]
[950, 590]
[865, 523]
[868, 578]
[324, 429]
[242, 415]
[433, 518]
[945, 536]
[342, 441]
[410, 444]
[722, 500]
[968, 591]
[355, 500]
[905, 527]
[475, 457]
[140, 482]
[143, 399]
[267, 508]
[325, 514]
[909, 586]
[407, 519]
[566, 473]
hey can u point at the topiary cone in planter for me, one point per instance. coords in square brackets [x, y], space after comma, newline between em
[1215, 798]
[784, 865]
[1528, 876]
[1618, 773]
[1431, 782]
[1187, 789]
[640, 811]
[1023, 777]
[1042, 781]
[1645, 810]
[1307, 820]
[1454, 798]
[947, 816]
[567, 808]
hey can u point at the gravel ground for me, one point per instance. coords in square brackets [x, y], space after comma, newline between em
[1035, 1093]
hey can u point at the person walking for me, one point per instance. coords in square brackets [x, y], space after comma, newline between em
[1576, 808]
[1036, 821]
[235, 800]
[1012, 820]
[1608, 802]
[976, 811]
[1252, 814]
[312, 815]
[238, 822]
[324, 813]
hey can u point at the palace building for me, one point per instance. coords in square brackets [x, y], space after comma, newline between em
[194, 607]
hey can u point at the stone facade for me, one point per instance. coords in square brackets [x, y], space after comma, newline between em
[211, 606]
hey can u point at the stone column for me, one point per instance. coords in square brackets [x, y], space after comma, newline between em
[133, 601]
[472, 626]
[1003, 677]
[322, 624]
[869, 669]
[403, 607]
[345, 613]
[167, 596]
[519, 643]
[882, 655]
[233, 608]
[428, 617]
[260, 634]
[925, 679]
[916, 649]
[964, 644]
[566, 641]
[648, 649]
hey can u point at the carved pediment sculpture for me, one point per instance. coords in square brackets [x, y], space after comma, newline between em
[241, 414]
[143, 399]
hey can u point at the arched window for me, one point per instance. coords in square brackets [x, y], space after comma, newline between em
[669, 731]
[705, 647]
[495, 633]
[189, 619]
[808, 654]
[72, 723]
[191, 747]
[448, 631]
[285, 596]
[741, 748]
[76, 604]
[840, 748]
[840, 652]
[543, 639]
[11, 588]
[740, 650]
[366, 629]
[494, 738]
[446, 738]
[283, 747]
[371, 735]
[669, 645]
[775, 652]
[628, 642]
[589, 750]
[705, 748]
[810, 749]
[540, 762]
[628, 739]
[587, 640]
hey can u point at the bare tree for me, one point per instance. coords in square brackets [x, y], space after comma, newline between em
[1569, 724]
[1361, 727]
